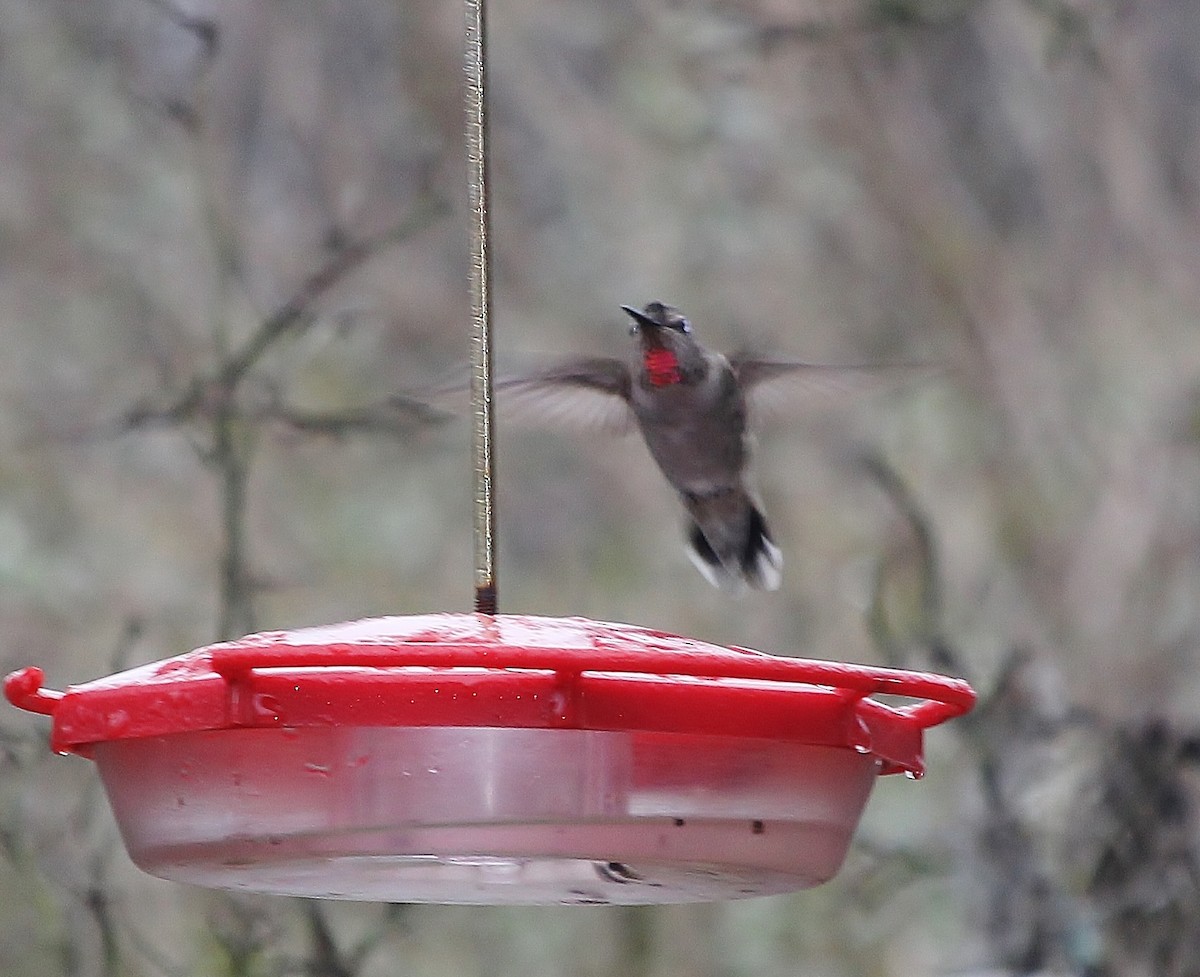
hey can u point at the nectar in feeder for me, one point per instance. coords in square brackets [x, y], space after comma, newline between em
[463, 758]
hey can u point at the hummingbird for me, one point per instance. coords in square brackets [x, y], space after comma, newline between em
[692, 407]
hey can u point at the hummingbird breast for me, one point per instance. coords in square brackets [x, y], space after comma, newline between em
[695, 430]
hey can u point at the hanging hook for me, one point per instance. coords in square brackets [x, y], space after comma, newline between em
[481, 301]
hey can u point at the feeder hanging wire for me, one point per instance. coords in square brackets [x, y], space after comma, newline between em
[481, 302]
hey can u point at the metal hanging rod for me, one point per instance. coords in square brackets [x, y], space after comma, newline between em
[481, 307]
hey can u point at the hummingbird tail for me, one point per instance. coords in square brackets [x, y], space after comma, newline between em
[757, 561]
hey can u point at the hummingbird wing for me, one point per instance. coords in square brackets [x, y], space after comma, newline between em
[585, 395]
[777, 388]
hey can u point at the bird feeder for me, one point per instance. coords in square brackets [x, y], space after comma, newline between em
[465, 758]
[489, 758]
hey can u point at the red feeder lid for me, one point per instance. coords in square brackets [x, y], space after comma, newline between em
[466, 758]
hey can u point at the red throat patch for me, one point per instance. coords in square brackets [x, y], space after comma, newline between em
[661, 367]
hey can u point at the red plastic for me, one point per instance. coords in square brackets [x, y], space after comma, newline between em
[508, 759]
[506, 671]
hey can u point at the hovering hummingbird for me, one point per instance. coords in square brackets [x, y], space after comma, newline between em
[691, 407]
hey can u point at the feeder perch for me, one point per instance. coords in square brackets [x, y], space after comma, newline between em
[463, 758]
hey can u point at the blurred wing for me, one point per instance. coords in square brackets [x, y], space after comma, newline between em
[778, 388]
[587, 395]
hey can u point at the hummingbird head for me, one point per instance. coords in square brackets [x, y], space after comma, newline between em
[655, 317]
[665, 338]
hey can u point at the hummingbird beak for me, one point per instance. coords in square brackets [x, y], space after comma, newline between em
[640, 318]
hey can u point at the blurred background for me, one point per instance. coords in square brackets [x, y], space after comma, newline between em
[233, 245]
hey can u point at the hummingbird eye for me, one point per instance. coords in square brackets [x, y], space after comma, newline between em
[685, 326]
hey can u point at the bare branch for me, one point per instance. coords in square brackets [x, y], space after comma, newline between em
[292, 314]
[398, 416]
[206, 397]
[929, 596]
